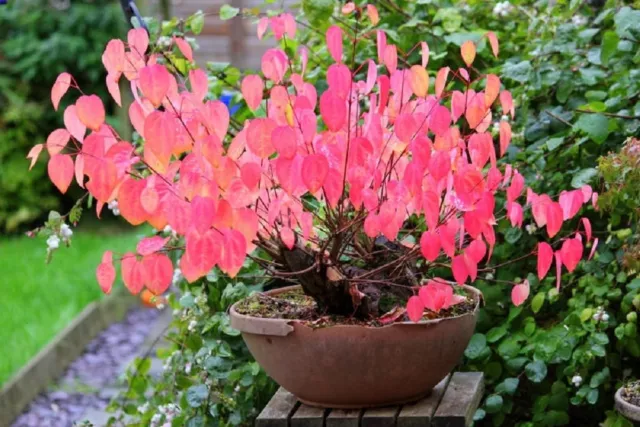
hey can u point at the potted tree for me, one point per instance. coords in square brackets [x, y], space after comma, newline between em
[376, 197]
[628, 400]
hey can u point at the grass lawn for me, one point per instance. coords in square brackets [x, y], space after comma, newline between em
[37, 300]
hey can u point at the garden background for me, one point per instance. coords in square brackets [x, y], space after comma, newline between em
[573, 69]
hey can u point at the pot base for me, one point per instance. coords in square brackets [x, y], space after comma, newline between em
[409, 400]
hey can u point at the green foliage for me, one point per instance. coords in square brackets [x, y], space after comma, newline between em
[37, 42]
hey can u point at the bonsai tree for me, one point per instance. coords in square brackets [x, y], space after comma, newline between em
[389, 181]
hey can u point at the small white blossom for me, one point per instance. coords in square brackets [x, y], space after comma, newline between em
[489, 276]
[504, 118]
[160, 306]
[65, 231]
[143, 408]
[112, 204]
[115, 212]
[167, 229]
[531, 228]
[576, 380]
[502, 8]
[177, 276]
[176, 312]
[605, 317]
[192, 326]
[155, 420]
[187, 368]
[579, 20]
[236, 389]
[53, 242]
[601, 315]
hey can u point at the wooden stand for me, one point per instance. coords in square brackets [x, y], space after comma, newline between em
[452, 404]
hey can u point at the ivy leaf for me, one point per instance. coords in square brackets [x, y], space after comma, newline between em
[227, 12]
[609, 46]
[537, 302]
[596, 126]
[554, 143]
[494, 403]
[508, 386]
[196, 395]
[592, 397]
[583, 177]
[627, 22]
[536, 371]
[520, 72]
[476, 346]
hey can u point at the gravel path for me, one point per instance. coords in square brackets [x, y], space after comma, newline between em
[90, 381]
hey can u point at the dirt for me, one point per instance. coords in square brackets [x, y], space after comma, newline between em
[295, 305]
[631, 393]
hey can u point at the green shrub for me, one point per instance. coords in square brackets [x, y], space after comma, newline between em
[37, 42]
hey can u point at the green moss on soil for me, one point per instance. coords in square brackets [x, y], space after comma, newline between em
[631, 393]
[295, 305]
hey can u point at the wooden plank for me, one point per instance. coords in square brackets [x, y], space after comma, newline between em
[419, 414]
[278, 410]
[307, 416]
[460, 400]
[380, 417]
[344, 418]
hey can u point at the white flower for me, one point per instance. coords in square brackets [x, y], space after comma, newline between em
[605, 317]
[176, 312]
[601, 315]
[112, 204]
[53, 242]
[504, 118]
[489, 276]
[65, 231]
[502, 8]
[115, 211]
[160, 306]
[237, 389]
[579, 20]
[155, 420]
[531, 228]
[187, 368]
[192, 326]
[143, 408]
[167, 229]
[177, 276]
[576, 380]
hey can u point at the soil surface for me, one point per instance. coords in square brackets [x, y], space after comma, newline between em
[631, 393]
[295, 305]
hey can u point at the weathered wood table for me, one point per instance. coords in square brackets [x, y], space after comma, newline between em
[452, 404]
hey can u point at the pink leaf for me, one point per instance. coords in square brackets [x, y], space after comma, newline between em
[372, 11]
[594, 246]
[185, 48]
[424, 51]
[554, 218]
[73, 124]
[545, 258]
[34, 153]
[285, 141]
[154, 82]
[459, 269]
[105, 273]
[90, 111]
[57, 140]
[333, 110]
[259, 133]
[334, 42]
[233, 252]
[430, 245]
[436, 296]
[441, 80]
[288, 237]
[60, 87]
[315, 168]
[505, 136]
[262, 26]
[493, 41]
[391, 58]
[150, 245]
[113, 57]
[415, 308]
[372, 225]
[506, 101]
[60, 169]
[274, 65]
[252, 88]
[114, 88]
[138, 40]
[203, 212]
[558, 258]
[199, 83]
[520, 293]
[468, 52]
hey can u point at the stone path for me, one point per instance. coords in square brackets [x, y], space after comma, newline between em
[90, 382]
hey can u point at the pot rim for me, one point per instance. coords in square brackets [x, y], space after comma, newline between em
[628, 409]
[283, 327]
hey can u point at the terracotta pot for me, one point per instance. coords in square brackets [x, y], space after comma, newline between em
[628, 410]
[350, 366]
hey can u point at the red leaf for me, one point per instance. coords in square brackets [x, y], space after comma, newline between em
[149, 199]
[545, 258]
[520, 293]
[459, 269]
[60, 87]
[430, 245]
[554, 218]
[259, 133]
[90, 111]
[441, 80]
[288, 237]
[150, 245]
[154, 82]
[203, 251]
[60, 169]
[436, 296]
[233, 252]
[334, 42]
[133, 273]
[314, 171]
[105, 273]
[199, 83]
[558, 258]
[415, 308]
[159, 272]
[252, 88]
[594, 246]
[129, 203]
[203, 213]
[285, 141]
[114, 88]
[571, 253]
[505, 136]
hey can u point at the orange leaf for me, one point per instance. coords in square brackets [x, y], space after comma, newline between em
[60, 169]
[419, 80]
[372, 11]
[468, 52]
[493, 40]
[133, 273]
[441, 80]
[159, 272]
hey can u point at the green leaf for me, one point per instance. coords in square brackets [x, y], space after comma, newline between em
[479, 414]
[520, 72]
[512, 235]
[227, 12]
[476, 346]
[627, 23]
[187, 300]
[450, 18]
[196, 395]
[583, 177]
[197, 22]
[508, 386]
[596, 126]
[494, 403]
[609, 46]
[592, 397]
[496, 333]
[537, 302]
[516, 364]
[554, 143]
[536, 371]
